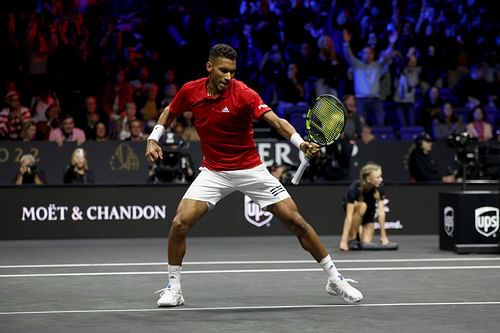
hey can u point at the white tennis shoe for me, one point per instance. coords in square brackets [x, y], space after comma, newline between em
[342, 288]
[170, 296]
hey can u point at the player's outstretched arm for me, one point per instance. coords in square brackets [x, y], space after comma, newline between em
[287, 131]
[153, 149]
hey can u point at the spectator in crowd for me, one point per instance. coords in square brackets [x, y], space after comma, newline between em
[367, 73]
[170, 78]
[39, 52]
[87, 49]
[330, 70]
[430, 46]
[140, 86]
[150, 108]
[478, 127]
[272, 68]
[90, 116]
[29, 132]
[120, 128]
[112, 44]
[136, 131]
[305, 61]
[53, 115]
[363, 205]
[100, 132]
[472, 89]
[67, 132]
[447, 123]
[430, 108]
[40, 104]
[421, 166]
[115, 95]
[291, 91]
[29, 172]
[78, 171]
[353, 123]
[13, 117]
[169, 93]
[367, 135]
[407, 82]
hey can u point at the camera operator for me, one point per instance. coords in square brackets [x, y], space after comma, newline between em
[421, 166]
[176, 166]
[28, 172]
[333, 161]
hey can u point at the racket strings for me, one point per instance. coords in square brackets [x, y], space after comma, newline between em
[326, 120]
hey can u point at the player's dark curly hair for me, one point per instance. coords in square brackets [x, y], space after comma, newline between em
[222, 51]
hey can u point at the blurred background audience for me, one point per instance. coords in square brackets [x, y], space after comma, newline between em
[103, 69]
[90, 59]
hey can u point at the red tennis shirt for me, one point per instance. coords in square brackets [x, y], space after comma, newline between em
[224, 123]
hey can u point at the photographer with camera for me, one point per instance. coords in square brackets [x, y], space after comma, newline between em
[28, 172]
[333, 161]
[176, 166]
[421, 166]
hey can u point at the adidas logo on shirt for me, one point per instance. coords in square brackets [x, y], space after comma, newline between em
[225, 109]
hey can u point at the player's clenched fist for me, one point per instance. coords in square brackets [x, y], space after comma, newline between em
[310, 149]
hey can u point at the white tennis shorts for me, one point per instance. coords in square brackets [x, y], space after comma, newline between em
[258, 183]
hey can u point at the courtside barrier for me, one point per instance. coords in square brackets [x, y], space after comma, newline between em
[42, 212]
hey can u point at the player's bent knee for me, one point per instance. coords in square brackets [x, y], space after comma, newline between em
[180, 226]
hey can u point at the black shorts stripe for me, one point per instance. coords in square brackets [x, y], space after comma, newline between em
[277, 190]
[276, 193]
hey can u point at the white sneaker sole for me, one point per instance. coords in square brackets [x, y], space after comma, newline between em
[180, 302]
[345, 298]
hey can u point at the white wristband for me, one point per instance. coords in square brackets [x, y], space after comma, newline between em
[157, 133]
[296, 139]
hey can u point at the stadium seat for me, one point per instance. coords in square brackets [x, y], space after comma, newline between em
[383, 133]
[409, 133]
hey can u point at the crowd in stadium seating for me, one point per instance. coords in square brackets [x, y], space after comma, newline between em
[102, 69]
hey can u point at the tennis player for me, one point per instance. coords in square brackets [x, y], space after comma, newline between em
[223, 109]
[364, 198]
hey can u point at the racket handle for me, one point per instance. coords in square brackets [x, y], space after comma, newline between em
[300, 171]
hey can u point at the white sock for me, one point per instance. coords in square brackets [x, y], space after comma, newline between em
[174, 276]
[329, 268]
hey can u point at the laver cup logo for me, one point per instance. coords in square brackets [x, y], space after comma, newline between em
[487, 221]
[449, 220]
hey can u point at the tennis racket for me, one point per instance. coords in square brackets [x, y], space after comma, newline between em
[325, 121]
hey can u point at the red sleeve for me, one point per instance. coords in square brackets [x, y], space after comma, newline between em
[180, 102]
[257, 105]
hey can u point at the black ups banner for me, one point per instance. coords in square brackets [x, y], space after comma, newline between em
[146, 211]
